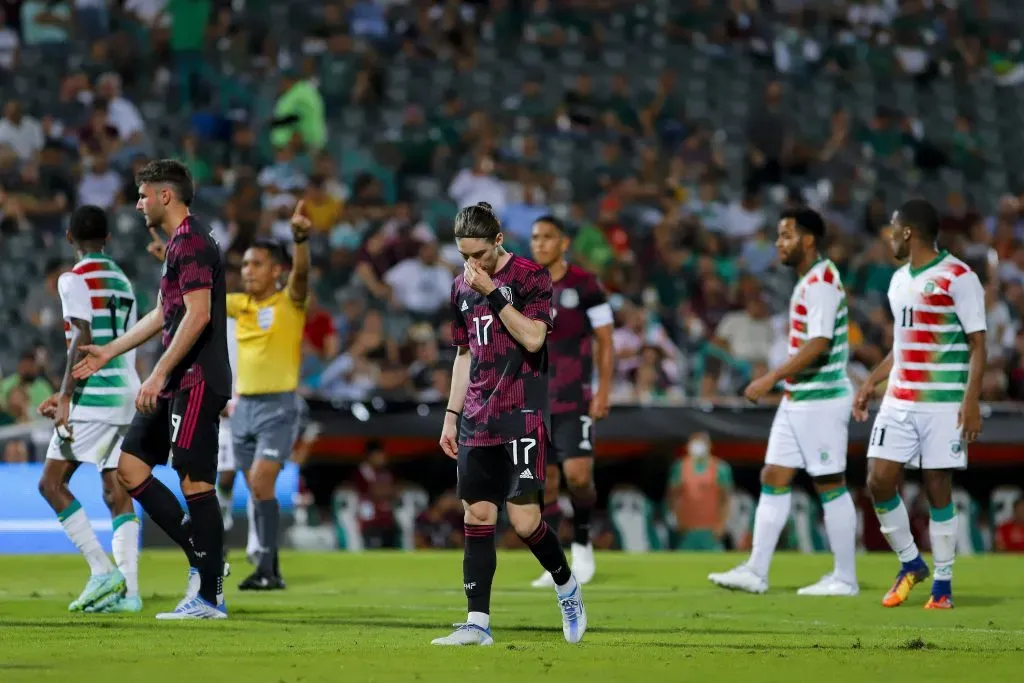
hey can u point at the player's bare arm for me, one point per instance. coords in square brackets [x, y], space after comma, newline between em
[456, 402]
[867, 390]
[298, 279]
[604, 357]
[530, 333]
[97, 356]
[81, 335]
[198, 305]
[969, 417]
[808, 353]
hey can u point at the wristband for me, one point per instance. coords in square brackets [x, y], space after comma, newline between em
[456, 414]
[300, 240]
[497, 300]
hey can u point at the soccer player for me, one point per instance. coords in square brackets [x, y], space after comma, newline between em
[91, 417]
[265, 421]
[583, 329]
[931, 409]
[502, 309]
[179, 405]
[810, 428]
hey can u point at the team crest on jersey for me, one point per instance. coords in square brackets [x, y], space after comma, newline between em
[265, 317]
[824, 456]
[956, 448]
[929, 287]
[570, 298]
[506, 292]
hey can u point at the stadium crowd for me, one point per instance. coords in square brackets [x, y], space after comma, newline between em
[668, 134]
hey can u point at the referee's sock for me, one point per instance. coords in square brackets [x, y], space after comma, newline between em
[164, 509]
[479, 561]
[268, 516]
[545, 547]
[208, 536]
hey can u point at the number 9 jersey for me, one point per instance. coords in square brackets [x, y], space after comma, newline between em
[97, 291]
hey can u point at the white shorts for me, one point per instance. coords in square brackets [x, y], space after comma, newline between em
[920, 441]
[98, 443]
[225, 447]
[814, 440]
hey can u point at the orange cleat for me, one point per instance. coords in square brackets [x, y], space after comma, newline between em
[940, 602]
[905, 581]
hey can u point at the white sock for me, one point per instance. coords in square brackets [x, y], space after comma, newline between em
[126, 551]
[77, 527]
[769, 520]
[841, 528]
[252, 542]
[942, 529]
[568, 587]
[224, 500]
[481, 619]
[895, 526]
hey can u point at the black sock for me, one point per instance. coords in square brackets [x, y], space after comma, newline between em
[208, 536]
[552, 514]
[479, 561]
[548, 551]
[582, 505]
[164, 509]
[267, 521]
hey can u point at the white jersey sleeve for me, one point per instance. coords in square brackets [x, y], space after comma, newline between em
[232, 352]
[822, 301]
[969, 302]
[74, 297]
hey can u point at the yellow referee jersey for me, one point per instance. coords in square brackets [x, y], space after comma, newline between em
[269, 342]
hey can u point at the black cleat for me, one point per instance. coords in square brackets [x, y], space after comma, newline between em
[261, 582]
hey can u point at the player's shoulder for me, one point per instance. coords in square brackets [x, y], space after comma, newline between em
[68, 279]
[527, 271]
[825, 272]
[192, 236]
[954, 268]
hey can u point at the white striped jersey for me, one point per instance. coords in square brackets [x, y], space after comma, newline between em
[97, 291]
[817, 308]
[934, 308]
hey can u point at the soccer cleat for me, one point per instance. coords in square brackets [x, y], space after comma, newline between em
[196, 608]
[574, 614]
[583, 562]
[466, 634]
[742, 578]
[543, 581]
[830, 585]
[121, 606]
[260, 582]
[98, 587]
[939, 602]
[911, 574]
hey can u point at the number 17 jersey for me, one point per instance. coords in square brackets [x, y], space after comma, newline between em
[97, 291]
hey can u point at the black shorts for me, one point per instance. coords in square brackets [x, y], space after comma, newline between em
[185, 426]
[508, 470]
[572, 436]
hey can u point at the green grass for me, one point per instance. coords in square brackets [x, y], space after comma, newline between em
[370, 617]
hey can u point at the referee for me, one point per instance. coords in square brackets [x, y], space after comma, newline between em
[264, 425]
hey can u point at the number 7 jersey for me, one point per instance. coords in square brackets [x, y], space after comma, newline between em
[934, 308]
[98, 292]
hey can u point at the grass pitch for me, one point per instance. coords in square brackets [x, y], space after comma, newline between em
[371, 617]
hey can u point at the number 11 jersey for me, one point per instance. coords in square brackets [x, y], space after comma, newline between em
[97, 291]
[934, 308]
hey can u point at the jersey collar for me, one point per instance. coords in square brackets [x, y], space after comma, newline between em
[914, 272]
[94, 254]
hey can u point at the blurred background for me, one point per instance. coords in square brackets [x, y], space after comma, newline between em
[667, 133]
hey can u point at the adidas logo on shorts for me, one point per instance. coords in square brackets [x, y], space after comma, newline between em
[526, 475]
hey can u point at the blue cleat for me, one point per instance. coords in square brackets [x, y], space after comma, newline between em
[98, 587]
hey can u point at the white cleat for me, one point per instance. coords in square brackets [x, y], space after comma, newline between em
[574, 614]
[740, 579]
[197, 608]
[466, 634]
[583, 562]
[543, 581]
[830, 585]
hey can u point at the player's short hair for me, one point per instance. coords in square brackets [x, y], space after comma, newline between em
[559, 225]
[278, 254]
[478, 221]
[920, 215]
[169, 172]
[807, 220]
[89, 224]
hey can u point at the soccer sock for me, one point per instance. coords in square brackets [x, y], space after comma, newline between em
[268, 519]
[942, 530]
[163, 508]
[545, 547]
[224, 500]
[126, 550]
[895, 526]
[479, 561]
[841, 527]
[769, 520]
[582, 505]
[552, 514]
[208, 536]
[76, 526]
[252, 541]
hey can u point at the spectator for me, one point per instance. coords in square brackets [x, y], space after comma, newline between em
[479, 184]
[100, 185]
[122, 114]
[42, 307]
[10, 45]
[299, 114]
[769, 140]
[744, 217]
[377, 494]
[1010, 535]
[46, 23]
[23, 133]
[637, 332]
[700, 495]
[98, 136]
[421, 285]
[16, 411]
[518, 218]
[747, 334]
[189, 20]
[320, 337]
[440, 525]
[29, 379]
